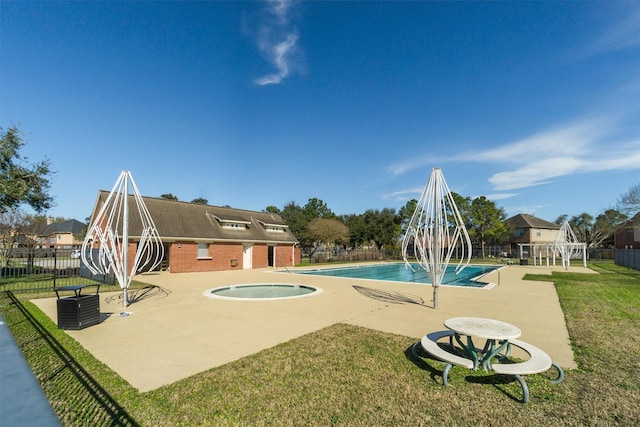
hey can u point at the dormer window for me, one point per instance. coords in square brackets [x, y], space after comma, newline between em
[234, 225]
[273, 228]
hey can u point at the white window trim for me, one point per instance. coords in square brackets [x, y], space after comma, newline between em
[207, 251]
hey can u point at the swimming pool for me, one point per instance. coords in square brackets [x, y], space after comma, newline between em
[262, 291]
[398, 272]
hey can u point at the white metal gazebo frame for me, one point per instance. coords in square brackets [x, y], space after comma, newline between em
[109, 235]
[567, 244]
[436, 231]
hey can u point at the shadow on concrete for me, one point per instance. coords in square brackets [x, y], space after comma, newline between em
[137, 295]
[390, 297]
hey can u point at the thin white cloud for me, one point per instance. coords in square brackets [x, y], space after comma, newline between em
[280, 8]
[569, 140]
[623, 34]
[278, 54]
[596, 152]
[404, 195]
[536, 173]
[500, 196]
[588, 145]
[277, 41]
[409, 165]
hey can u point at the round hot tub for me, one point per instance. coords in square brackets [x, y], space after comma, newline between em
[262, 291]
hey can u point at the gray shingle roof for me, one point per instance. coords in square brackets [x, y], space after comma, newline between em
[70, 226]
[530, 221]
[191, 221]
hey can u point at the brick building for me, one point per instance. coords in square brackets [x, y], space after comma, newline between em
[627, 236]
[211, 238]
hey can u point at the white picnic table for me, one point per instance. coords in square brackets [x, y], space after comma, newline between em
[499, 336]
[493, 331]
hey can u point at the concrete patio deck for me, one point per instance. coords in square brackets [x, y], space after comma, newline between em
[174, 331]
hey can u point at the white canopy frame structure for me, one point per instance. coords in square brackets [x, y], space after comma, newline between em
[567, 244]
[109, 235]
[436, 231]
[540, 251]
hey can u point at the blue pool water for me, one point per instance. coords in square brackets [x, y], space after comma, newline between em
[398, 272]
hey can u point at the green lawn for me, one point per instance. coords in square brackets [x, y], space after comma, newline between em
[346, 375]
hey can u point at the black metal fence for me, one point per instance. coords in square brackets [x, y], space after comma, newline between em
[628, 258]
[40, 270]
[373, 254]
[490, 252]
[349, 255]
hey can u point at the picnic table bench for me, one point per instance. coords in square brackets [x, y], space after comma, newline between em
[429, 343]
[538, 360]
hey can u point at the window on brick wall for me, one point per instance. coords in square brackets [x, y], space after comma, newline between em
[203, 250]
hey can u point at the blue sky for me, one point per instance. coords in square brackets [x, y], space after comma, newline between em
[249, 104]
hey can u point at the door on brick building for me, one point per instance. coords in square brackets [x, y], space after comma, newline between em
[270, 252]
[247, 256]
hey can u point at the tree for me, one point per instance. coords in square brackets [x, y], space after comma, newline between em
[272, 209]
[22, 183]
[10, 221]
[293, 215]
[298, 219]
[629, 203]
[486, 223]
[328, 231]
[606, 224]
[464, 207]
[582, 227]
[382, 227]
[200, 201]
[358, 235]
[406, 213]
[169, 196]
[19, 229]
[31, 228]
[463, 204]
[316, 208]
[561, 219]
[594, 233]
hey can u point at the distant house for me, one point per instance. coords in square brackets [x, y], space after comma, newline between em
[627, 236]
[529, 232]
[199, 238]
[63, 235]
